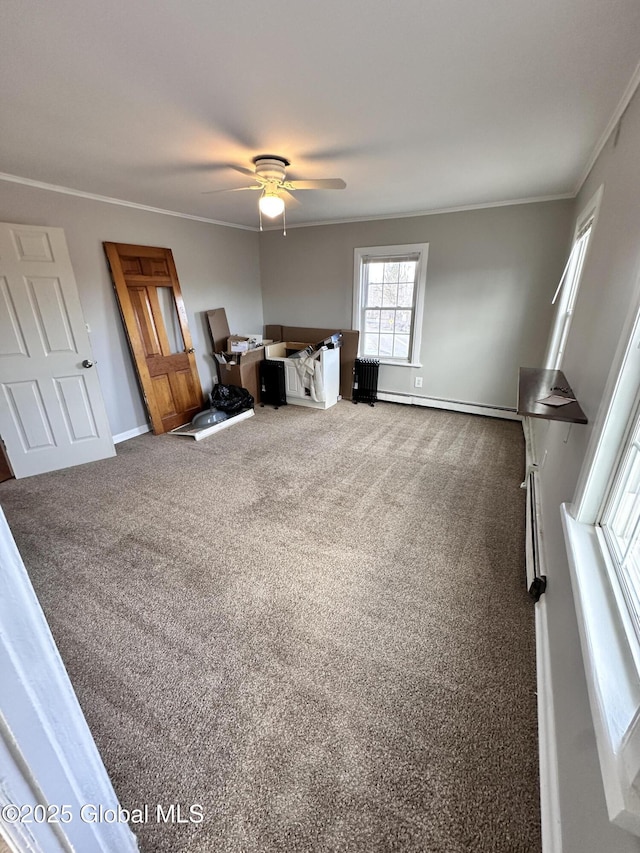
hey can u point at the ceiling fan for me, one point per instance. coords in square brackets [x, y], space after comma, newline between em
[270, 177]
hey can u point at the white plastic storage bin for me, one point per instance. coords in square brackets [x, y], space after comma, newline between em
[326, 385]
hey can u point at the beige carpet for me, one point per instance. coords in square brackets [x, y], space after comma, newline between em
[314, 624]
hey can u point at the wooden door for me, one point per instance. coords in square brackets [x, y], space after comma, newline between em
[5, 467]
[153, 312]
[52, 414]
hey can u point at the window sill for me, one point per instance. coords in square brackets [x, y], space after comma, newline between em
[392, 362]
[611, 655]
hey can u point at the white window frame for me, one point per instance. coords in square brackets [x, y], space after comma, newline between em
[360, 254]
[608, 633]
[567, 291]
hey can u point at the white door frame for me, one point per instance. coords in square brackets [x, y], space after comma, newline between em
[47, 754]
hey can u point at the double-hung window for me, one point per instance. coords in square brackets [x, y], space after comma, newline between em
[567, 290]
[620, 520]
[389, 284]
[602, 529]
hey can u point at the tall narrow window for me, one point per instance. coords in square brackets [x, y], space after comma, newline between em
[388, 301]
[621, 522]
[567, 291]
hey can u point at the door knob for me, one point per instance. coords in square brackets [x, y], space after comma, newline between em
[190, 350]
[87, 363]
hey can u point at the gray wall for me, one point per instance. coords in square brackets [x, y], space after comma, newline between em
[217, 267]
[491, 275]
[605, 299]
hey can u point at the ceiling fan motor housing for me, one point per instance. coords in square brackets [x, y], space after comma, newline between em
[271, 167]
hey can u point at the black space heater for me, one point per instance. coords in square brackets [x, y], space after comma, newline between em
[365, 380]
[272, 383]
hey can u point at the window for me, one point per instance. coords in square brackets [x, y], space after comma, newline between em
[602, 533]
[567, 290]
[620, 521]
[388, 301]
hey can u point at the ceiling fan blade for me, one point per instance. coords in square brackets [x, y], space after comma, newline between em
[245, 171]
[321, 184]
[290, 200]
[231, 190]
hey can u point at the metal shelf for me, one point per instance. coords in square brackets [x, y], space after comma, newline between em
[535, 383]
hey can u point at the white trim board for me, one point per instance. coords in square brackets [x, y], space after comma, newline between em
[41, 185]
[203, 432]
[618, 113]
[450, 405]
[436, 211]
[131, 433]
[550, 819]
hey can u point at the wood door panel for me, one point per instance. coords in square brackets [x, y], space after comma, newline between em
[158, 320]
[159, 365]
[148, 280]
[130, 266]
[164, 395]
[144, 320]
[184, 392]
[169, 378]
[5, 468]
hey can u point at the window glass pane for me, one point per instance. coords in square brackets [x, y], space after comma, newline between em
[386, 345]
[170, 319]
[370, 344]
[632, 568]
[374, 295]
[390, 294]
[391, 271]
[375, 271]
[403, 322]
[387, 321]
[407, 271]
[405, 294]
[371, 321]
[627, 504]
[401, 346]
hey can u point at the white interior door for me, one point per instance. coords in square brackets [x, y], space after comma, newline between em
[49, 762]
[52, 413]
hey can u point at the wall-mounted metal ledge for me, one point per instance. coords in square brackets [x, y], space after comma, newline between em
[535, 383]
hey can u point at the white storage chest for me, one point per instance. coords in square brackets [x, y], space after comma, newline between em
[327, 384]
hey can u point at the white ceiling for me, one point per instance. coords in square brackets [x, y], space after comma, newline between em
[419, 105]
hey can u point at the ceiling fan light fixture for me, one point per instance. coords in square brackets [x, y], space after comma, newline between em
[271, 204]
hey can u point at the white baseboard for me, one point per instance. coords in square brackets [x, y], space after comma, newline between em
[450, 405]
[548, 756]
[550, 816]
[131, 433]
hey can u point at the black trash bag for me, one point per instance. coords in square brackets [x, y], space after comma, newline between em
[231, 399]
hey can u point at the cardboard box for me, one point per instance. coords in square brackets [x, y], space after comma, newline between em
[237, 344]
[242, 343]
[283, 349]
[241, 368]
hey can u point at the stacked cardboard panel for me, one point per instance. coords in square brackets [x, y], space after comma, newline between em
[243, 368]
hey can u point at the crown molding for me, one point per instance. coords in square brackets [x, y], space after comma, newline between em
[435, 212]
[40, 185]
[619, 111]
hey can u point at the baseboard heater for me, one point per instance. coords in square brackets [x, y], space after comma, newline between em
[365, 380]
[536, 582]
